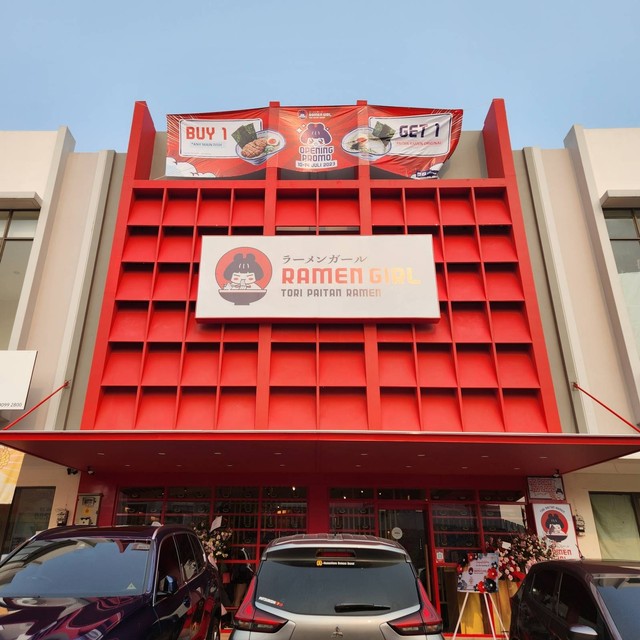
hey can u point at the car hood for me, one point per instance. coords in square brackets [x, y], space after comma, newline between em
[68, 618]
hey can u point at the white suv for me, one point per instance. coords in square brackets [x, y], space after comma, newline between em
[335, 587]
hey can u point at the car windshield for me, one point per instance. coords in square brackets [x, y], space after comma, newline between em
[76, 567]
[340, 587]
[621, 595]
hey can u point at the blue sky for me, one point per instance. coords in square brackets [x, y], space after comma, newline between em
[83, 64]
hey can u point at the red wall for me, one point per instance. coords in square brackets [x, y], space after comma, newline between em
[482, 368]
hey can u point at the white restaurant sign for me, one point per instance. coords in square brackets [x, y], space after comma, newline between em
[554, 522]
[317, 277]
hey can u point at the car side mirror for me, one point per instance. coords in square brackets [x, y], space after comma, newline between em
[168, 586]
[582, 632]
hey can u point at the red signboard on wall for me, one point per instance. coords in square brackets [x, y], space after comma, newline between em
[411, 142]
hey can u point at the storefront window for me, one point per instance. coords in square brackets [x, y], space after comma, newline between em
[616, 516]
[30, 513]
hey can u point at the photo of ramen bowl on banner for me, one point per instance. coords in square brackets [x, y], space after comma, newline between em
[254, 146]
[368, 143]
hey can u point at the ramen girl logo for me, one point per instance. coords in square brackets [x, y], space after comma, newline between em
[316, 150]
[242, 275]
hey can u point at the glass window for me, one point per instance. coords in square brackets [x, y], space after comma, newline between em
[30, 513]
[575, 603]
[17, 230]
[187, 556]
[623, 226]
[76, 567]
[616, 516]
[542, 588]
[621, 595]
[168, 564]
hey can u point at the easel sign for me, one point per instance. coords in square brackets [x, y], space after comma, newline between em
[478, 574]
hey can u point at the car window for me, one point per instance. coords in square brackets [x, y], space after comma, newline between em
[542, 588]
[77, 567]
[187, 556]
[168, 564]
[198, 553]
[621, 594]
[575, 603]
[315, 588]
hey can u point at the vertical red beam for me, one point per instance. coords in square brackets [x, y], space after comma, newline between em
[499, 158]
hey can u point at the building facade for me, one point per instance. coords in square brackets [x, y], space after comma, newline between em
[424, 431]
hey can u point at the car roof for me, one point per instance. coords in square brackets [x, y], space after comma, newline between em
[594, 568]
[114, 531]
[353, 540]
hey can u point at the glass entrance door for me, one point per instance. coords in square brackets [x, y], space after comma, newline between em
[407, 526]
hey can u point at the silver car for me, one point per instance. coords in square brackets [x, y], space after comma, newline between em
[335, 587]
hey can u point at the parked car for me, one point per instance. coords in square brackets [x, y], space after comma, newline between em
[103, 583]
[577, 600]
[330, 587]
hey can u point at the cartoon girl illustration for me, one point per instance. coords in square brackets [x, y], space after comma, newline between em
[243, 272]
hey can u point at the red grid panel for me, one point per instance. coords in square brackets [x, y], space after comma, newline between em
[503, 283]
[510, 323]
[237, 409]
[492, 209]
[436, 367]
[470, 323]
[439, 332]
[129, 322]
[296, 210]
[293, 366]
[397, 366]
[516, 368]
[199, 332]
[239, 366]
[465, 283]
[293, 332]
[146, 211]
[440, 410]
[292, 409]
[481, 411]
[460, 245]
[161, 367]
[343, 409]
[196, 409]
[116, 409]
[456, 209]
[135, 283]
[172, 283]
[157, 409]
[422, 208]
[141, 245]
[476, 367]
[497, 245]
[181, 211]
[167, 322]
[200, 367]
[248, 210]
[215, 209]
[176, 246]
[340, 367]
[340, 211]
[400, 410]
[386, 208]
[523, 412]
[123, 366]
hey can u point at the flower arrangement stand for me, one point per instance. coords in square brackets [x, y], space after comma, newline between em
[491, 607]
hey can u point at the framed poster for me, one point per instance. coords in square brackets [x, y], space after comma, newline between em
[87, 509]
[547, 488]
[479, 573]
[554, 522]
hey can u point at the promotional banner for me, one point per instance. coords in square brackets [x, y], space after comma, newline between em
[407, 141]
[545, 488]
[317, 277]
[479, 573]
[555, 523]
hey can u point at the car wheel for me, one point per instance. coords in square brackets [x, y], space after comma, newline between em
[213, 632]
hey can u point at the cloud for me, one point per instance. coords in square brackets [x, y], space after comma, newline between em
[184, 170]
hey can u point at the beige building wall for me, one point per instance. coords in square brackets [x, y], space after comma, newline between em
[41, 169]
[568, 188]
